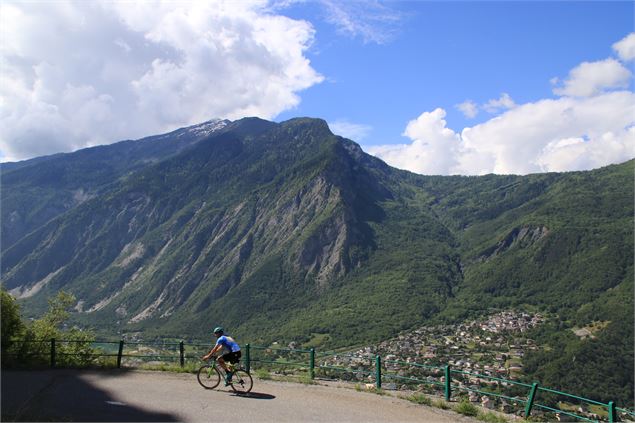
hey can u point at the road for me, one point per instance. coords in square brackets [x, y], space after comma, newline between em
[125, 395]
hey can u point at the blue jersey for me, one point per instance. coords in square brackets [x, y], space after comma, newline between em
[228, 343]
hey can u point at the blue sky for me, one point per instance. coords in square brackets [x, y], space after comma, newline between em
[433, 87]
[439, 54]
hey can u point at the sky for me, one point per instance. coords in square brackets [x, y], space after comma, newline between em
[452, 87]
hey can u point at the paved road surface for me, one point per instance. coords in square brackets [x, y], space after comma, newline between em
[82, 395]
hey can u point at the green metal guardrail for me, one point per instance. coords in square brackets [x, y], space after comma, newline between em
[311, 361]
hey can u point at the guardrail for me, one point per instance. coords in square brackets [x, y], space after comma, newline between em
[372, 368]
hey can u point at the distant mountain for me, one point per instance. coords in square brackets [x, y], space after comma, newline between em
[284, 231]
[40, 189]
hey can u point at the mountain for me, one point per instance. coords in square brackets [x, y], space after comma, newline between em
[40, 189]
[285, 231]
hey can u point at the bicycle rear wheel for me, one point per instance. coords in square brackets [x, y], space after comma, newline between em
[242, 381]
[208, 376]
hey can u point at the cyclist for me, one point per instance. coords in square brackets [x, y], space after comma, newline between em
[231, 351]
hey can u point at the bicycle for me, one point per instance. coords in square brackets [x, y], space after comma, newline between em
[210, 375]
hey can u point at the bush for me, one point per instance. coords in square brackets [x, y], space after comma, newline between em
[72, 348]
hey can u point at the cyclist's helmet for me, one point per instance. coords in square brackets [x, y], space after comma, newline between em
[219, 329]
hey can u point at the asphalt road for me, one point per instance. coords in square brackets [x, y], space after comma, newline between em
[117, 396]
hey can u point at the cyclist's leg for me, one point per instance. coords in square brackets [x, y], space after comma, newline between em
[220, 360]
[231, 357]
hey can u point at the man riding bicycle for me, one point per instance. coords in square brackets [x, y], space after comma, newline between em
[231, 352]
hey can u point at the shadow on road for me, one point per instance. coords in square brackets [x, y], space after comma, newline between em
[255, 395]
[62, 395]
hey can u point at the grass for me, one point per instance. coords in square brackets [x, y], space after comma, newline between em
[466, 408]
[175, 368]
[263, 374]
[441, 404]
[305, 379]
[419, 399]
[491, 417]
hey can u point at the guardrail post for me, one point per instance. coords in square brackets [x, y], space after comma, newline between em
[312, 363]
[448, 385]
[612, 412]
[52, 352]
[530, 400]
[182, 353]
[247, 358]
[378, 372]
[119, 354]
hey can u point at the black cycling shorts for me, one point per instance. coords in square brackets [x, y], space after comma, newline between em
[232, 357]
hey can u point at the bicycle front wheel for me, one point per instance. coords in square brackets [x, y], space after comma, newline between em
[242, 381]
[208, 377]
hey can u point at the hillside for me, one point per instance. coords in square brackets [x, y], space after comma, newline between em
[288, 232]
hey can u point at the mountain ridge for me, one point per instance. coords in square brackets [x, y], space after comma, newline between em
[285, 231]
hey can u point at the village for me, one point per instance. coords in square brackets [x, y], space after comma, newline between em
[485, 355]
[492, 347]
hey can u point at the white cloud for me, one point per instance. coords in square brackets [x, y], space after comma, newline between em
[76, 74]
[625, 48]
[591, 78]
[468, 108]
[353, 131]
[530, 137]
[590, 126]
[502, 103]
[373, 21]
[434, 147]
[562, 134]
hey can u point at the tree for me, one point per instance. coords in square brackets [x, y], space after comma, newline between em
[34, 348]
[51, 324]
[12, 326]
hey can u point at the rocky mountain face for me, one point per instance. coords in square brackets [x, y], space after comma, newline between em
[161, 232]
[286, 231]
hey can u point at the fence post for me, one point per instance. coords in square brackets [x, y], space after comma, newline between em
[119, 354]
[52, 352]
[530, 400]
[448, 386]
[247, 359]
[312, 363]
[612, 412]
[378, 372]
[182, 353]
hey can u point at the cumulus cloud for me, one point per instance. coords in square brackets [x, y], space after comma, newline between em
[468, 108]
[535, 137]
[434, 147]
[591, 78]
[552, 135]
[77, 74]
[354, 131]
[503, 103]
[625, 48]
[590, 125]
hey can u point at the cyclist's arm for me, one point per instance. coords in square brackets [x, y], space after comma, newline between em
[213, 351]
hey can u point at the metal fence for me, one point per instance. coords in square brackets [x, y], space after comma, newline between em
[443, 380]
